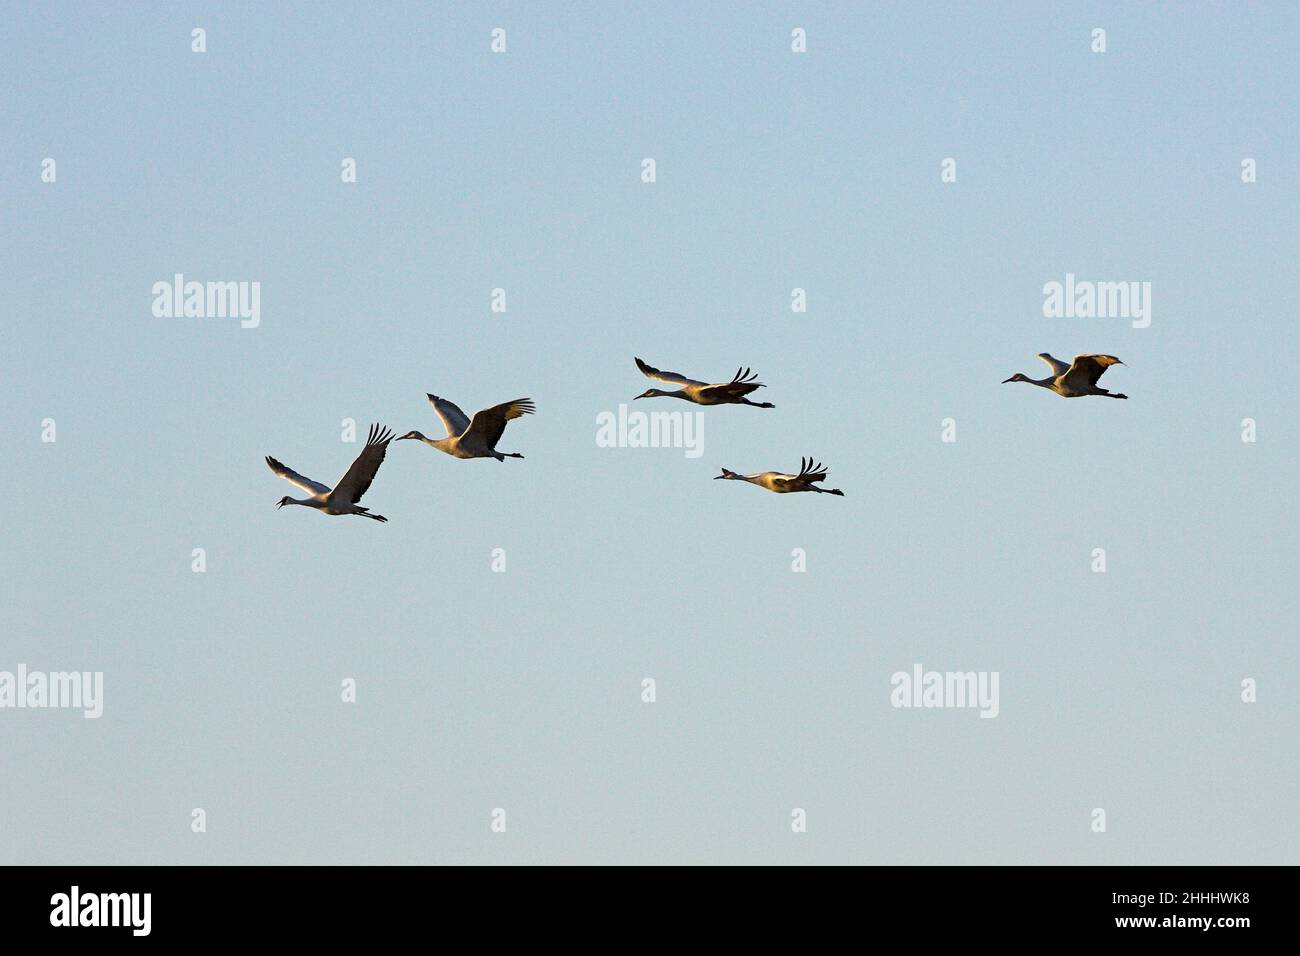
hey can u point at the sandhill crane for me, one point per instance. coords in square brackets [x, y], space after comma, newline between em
[343, 498]
[784, 484]
[476, 438]
[1073, 381]
[701, 393]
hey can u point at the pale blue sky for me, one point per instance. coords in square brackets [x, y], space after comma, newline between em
[521, 690]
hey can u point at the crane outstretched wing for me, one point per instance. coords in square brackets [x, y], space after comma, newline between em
[741, 385]
[489, 424]
[811, 472]
[358, 478]
[674, 378]
[1058, 367]
[1088, 368]
[291, 476]
[451, 415]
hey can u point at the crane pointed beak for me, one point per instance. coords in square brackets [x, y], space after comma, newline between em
[1011, 379]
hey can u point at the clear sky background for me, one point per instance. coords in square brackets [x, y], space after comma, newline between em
[521, 689]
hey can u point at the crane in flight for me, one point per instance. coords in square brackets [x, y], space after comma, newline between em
[476, 437]
[702, 393]
[343, 497]
[783, 484]
[1076, 380]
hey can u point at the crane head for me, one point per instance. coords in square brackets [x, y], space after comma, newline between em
[1018, 377]
[725, 474]
[411, 435]
[650, 393]
[282, 502]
